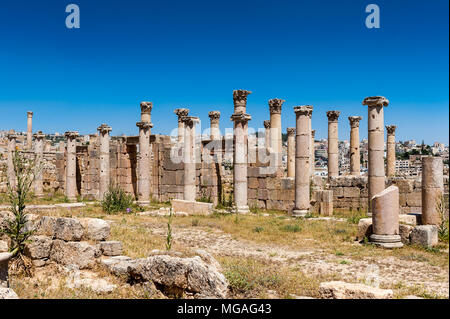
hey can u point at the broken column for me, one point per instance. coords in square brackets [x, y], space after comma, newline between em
[181, 113]
[333, 145]
[267, 133]
[11, 150]
[302, 158]
[39, 154]
[29, 129]
[143, 176]
[189, 157]
[240, 119]
[104, 137]
[291, 151]
[214, 117]
[385, 219]
[275, 129]
[313, 156]
[375, 119]
[432, 190]
[390, 153]
[355, 155]
[71, 166]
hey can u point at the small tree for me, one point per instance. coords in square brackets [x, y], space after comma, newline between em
[169, 237]
[443, 227]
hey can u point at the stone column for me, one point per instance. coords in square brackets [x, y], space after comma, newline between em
[432, 189]
[275, 130]
[313, 156]
[39, 154]
[240, 119]
[143, 178]
[390, 153]
[11, 150]
[29, 130]
[267, 133]
[375, 121]
[333, 145]
[355, 154]
[291, 151]
[189, 157]
[181, 113]
[104, 171]
[48, 146]
[62, 147]
[214, 117]
[385, 219]
[71, 166]
[302, 158]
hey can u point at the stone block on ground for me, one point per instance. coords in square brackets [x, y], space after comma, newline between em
[405, 232]
[46, 226]
[407, 219]
[117, 265]
[424, 235]
[8, 293]
[68, 229]
[76, 253]
[39, 247]
[192, 208]
[95, 229]
[364, 228]
[3, 246]
[111, 248]
[345, 290]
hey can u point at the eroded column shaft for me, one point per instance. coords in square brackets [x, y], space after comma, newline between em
[143, 176]
[291, 152]
[390, 152]
[29, 130]
[355, 154]
[432, 190]
[39, 154]
[333, 146]
[189, 158]
[71, 166]
[104, 169]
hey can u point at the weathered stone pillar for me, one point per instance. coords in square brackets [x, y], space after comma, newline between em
[267, 133]
[11, 150]
[333, 145]
[71, 166]
[240, 119]
[4, 261]
[432, 189]
[29, 130]
[47, 146]
[62, 147]
[390, 153]
[313, 156]
[275, 130]
[302, 158]
[189, 157]
[39, 154]
[143, 178]
[214, 117]
[375, 121]
[385, 219]
[291, 151]
[355, 155]
[181, 113]
[104, 171]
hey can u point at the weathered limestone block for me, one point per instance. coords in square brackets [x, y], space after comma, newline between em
[405, 232]
[345, 290]
[118, 265]
[76, 253]
[39, 247]
[4, 262]
[8, 293]
[351, 192]
[364, 228]
[407, 219]
[68, 229]
[424, 235]
[190, 207]
[95, 229]
[326, 203]
[46, 226]
[111, 248]
[414, 199]
[4, 247]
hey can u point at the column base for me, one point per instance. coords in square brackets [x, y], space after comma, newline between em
[241, 209]
[72, 199]
[300, 212]
[386, 241]
[143, 202]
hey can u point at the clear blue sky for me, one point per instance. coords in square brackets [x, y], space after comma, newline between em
[195, 53]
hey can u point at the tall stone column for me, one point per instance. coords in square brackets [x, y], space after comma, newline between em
[181, 113]
[302, 158]
[61, 147]
[104, 137]
[275, 130]
[214, 117]
[333, 144]
[71, 166]
[432, 189]
[10, 166]
[39, 154]
[291, 151]
[313, 155]
[375, 121]
[189, 157]
[267, 133]
[240, 156]
[355, 154]
[29, 130]
[390, 153]
[143, 178]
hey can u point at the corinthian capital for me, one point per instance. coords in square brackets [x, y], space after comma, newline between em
[240, 96]
[290, 131]
[275, 105]
[214, 115]
[354, 121]
[333, 116]
[146, 107]
[181, 112]
[391, 129]
[266, 124]
[376, 101]
[303, 110]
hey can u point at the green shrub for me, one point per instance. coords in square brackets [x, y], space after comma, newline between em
[116, 200]
[291, 228]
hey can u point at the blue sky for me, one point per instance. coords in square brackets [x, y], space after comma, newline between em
[195, 53]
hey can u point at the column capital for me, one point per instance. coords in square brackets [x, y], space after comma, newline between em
[241, 117]
[181, 112]
[214, 115]
[71, 134]
[290, 131]
[391, 129]
[144, 125]
[313, 133]
[333, 116]
[275, 106]
[39, 135]
[11, 135]
[303, 110]
[104, 129]
[146, 107]
[29, 113]
[240, 98]
[354, 121]
[266, 124]
[190, 120]
[376, 101]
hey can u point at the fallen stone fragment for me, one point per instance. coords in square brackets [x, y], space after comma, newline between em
[80, 254]
[39, 247]
[8, 293]
[111, 248]
[95, 229]
[424, 235]
[68, 229]
[345, 290]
